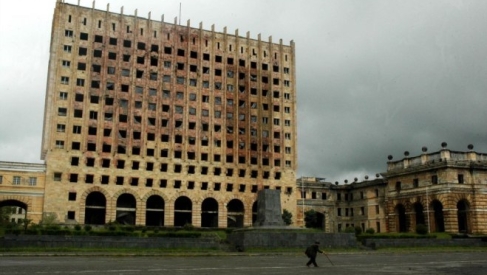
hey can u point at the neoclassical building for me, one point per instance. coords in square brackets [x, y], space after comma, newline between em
[444, 190]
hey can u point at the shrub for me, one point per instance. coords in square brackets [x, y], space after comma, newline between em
[370, 231]
[188, 227]
[358, 230]
[287, 217]
[77, 227]
[421, 229]
[88, 228]
[349, 229]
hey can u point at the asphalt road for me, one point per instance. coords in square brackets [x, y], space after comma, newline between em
[474, 263]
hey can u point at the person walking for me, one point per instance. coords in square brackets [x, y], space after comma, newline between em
[311, 252]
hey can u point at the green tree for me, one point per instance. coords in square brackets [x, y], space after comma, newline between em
[311, 219]
[287, 217]
[5, 213]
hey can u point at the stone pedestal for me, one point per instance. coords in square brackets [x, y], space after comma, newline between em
[269, 208]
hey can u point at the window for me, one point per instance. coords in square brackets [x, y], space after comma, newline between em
[1, 179]
[72, 196]
[460, 179]
[68, 33]
[82, 51]
[63, 95]
[61, 128]
[80, 82]
[67, 48]
[66, 63]
[64, 80]
[398, 186]
[59, 144]
[32, 181]
[76, 129]
[415, 183]
[57, 176]
[434, 179]
[16, 180]
[98, 38]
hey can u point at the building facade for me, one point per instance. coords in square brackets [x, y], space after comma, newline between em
[346, 205]
[446, 191]
[22, 186]
[152, 123]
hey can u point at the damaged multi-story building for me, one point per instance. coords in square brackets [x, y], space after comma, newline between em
[161, 124]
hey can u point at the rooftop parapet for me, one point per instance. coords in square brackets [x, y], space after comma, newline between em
[444, 155]
[22, 166]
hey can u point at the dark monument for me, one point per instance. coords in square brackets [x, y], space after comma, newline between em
[269, 230]
[269, 208]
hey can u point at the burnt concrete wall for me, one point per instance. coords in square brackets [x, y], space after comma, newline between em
[245, 239]
[106, 242]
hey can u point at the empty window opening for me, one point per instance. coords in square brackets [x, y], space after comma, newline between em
[254, 188]
[241, 173]
[82, 51]
[163, 183]
[119, 181]
[74, 161]
[204, 186]
[141, 46]
[140, 59]
[97, 53]
[112, 56]
[254, 174]
[90, 162]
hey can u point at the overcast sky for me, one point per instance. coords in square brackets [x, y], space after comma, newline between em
[374, 78]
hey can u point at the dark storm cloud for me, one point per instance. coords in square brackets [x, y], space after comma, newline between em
[373, 77]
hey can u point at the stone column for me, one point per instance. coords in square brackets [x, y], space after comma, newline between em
[222, 215]
[196, 215]
[169, 214]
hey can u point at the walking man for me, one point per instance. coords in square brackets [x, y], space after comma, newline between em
[311, 252]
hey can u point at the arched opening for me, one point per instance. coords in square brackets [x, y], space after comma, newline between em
[320, 220]
[95, 208]
[254, 212]
[438, 220]
[463, 216]
[182, 211]
[126, 207]
[401, 222]
[12, 211]
[235, 213]
[419, 213]
[154, 215]
[209, 213]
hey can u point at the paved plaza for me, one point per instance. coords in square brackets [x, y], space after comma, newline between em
[474, 263]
